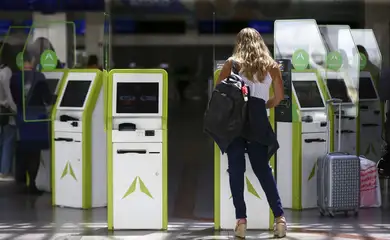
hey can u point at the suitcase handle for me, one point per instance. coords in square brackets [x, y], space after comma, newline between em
[311, 140]
[338, 153]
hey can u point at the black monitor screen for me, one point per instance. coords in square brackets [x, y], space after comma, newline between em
[137, 97]
[366, 89]
[338, 89]
[75, 93]
[308, 94]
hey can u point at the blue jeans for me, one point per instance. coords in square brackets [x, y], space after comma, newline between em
[7, 147]
[258, 157]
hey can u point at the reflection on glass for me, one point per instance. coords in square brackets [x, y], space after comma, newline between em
[337, 89]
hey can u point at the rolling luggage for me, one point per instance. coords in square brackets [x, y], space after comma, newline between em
[338, 178]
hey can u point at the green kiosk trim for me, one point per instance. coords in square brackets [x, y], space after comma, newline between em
[224, 217]
[146, 143]
[76, 129]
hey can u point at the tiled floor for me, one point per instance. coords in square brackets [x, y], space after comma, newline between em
[190, 162]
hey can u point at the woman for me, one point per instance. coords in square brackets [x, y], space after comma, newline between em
[7, 112]
[257, 68]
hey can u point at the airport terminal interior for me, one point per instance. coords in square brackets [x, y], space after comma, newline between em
[127, 156]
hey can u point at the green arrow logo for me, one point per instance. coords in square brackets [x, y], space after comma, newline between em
[334, 60]
[370, 149]
[68, 170]
[48, 60]
[19, 61]
[251, 189]
[133, 187]
[300, 60]
[363, 61]
[312, 172]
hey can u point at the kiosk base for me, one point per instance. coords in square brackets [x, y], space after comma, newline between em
[137, 186]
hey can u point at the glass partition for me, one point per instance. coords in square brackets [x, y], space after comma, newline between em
[107, 48]
[343, 57]
[301, 42]
[370, 54]
[43, 52]
[13, 43]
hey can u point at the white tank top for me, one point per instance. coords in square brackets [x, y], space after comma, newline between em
[259, 89]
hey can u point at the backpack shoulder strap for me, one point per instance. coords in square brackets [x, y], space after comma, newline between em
[235, 67]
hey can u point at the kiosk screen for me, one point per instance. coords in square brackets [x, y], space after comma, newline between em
[75, 93]
[366, 89]
[137, 97]
[337, 89]
[52, 84]
[308, 94]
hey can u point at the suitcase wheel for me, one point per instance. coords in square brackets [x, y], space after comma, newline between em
[322, 213]
[331, 214]
[356, 213]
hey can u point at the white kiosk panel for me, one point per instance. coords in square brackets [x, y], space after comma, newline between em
[137, 161]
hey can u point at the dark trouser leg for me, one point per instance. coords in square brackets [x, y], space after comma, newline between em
[33, 160]
[258, 156]
[236, 160]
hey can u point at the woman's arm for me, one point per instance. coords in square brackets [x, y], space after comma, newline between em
[277, 84]
[225, 71]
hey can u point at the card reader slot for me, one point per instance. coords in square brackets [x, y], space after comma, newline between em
[154, 153]
[377, 112]
[370, 125]
[364, 107]
[63, 139]
[346, 117]
[311, 140]
[136, 151]
[346, 131]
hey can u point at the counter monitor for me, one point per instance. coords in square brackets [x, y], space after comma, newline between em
[137, 97]
[52, 84]
[75, 93]
[366, 89]
[338, 89]
[308, 94]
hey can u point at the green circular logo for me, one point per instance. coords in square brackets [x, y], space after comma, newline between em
[48, 60]
[300, 60]
[19, 61]
[363, 61]
[334, 60]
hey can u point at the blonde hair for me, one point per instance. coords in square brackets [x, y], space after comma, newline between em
[252, 55]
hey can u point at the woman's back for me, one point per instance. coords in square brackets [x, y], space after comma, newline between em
[259, 89]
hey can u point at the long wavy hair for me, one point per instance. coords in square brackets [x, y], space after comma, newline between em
[252, 55]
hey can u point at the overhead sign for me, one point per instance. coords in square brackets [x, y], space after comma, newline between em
[157, 6]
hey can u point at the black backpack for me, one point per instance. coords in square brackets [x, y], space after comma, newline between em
[226, 113]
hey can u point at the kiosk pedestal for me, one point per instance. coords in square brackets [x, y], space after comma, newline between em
[259, 215]
[370, 118]
[79, 142]
[137, 144]
[302, 141]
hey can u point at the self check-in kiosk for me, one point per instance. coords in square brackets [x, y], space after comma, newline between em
[336, 88]
[79, 142]
[137, 149]
[370, 118]
[302, 139]
[259, 214]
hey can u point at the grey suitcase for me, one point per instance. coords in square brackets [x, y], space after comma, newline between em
[338, 179]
